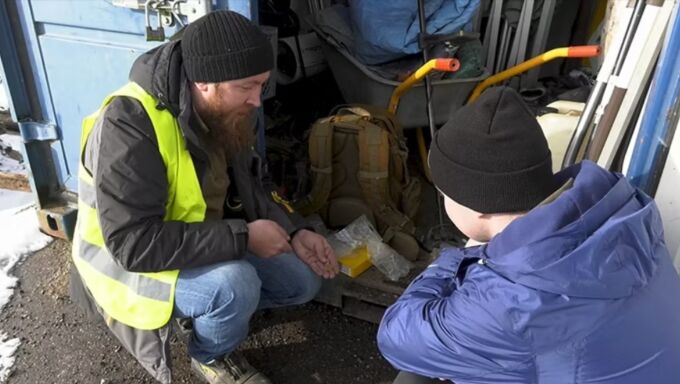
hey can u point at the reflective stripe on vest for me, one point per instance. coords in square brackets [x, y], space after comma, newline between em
[139, 300]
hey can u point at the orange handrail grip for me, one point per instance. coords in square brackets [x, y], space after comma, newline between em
[447, 65]
[584, 51]
[577, 51]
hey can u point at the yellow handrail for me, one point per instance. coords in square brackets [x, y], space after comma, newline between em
[445, 65]
[577, 51]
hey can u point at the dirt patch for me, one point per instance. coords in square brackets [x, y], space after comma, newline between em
[14, 181]
[312, 344]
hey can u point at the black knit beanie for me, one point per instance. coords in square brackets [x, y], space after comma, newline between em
[492, 156]
[224, 45]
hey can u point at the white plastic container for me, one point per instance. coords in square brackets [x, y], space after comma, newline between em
[559, 127]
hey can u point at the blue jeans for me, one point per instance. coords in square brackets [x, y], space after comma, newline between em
[221, 298]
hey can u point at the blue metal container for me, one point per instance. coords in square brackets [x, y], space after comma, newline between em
[60, 58]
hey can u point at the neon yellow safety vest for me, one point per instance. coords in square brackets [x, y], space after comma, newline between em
[139, 300]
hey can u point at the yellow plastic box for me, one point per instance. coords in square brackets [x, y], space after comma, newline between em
[356, 262]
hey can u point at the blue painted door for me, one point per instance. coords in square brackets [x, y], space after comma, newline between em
[80, 51]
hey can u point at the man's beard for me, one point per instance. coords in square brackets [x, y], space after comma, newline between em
[233, 130]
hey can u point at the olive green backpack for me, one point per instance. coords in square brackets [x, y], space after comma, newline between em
[358, 165]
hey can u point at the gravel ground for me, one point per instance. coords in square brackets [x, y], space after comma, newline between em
[314, 343]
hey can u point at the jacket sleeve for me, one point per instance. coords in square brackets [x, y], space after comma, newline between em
[441, 330]
[131, 192]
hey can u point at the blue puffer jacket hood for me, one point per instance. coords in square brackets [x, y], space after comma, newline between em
[596, 240]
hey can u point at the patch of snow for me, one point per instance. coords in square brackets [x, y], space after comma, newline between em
[8, 164]
[14, 140]
[19, 237]
[4, 101]
[12, 202]
[8, 347]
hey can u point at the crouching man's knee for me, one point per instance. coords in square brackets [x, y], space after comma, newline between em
[238, 288]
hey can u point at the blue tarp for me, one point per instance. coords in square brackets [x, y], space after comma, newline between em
[388, 30]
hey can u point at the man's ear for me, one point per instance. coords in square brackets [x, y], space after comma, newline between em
[203, 87]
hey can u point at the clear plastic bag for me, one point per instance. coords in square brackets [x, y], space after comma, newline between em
[361, 233]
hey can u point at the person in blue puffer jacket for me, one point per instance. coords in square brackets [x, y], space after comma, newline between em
[572, 282]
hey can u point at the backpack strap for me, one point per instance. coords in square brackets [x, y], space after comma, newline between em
[321, 165]
[374, 162]
[397, 144]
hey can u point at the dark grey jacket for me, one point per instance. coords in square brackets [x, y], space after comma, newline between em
[131, 184]
[131, 191]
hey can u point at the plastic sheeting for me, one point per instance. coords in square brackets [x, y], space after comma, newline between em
[388, 30]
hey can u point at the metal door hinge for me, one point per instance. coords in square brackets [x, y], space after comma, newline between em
[168, 12]
[37, 131]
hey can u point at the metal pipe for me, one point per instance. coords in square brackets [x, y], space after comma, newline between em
[428, 90]
[502, 58]
[491, 37]
[519, 44]
[540, 39]
[428, 85]
[624, 73]
[582, 130]
[630, 31]
[584, 127]
[628, 37]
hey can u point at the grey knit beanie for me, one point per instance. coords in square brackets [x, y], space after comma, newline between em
[224, 45]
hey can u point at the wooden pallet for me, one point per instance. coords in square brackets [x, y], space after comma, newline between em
[367, 296]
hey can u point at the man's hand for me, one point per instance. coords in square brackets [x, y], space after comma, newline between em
[267, 239]
[315, 251]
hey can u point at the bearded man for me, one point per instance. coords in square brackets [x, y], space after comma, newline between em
[174, 219]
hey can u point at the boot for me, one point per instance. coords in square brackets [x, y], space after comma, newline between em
[232, 369]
